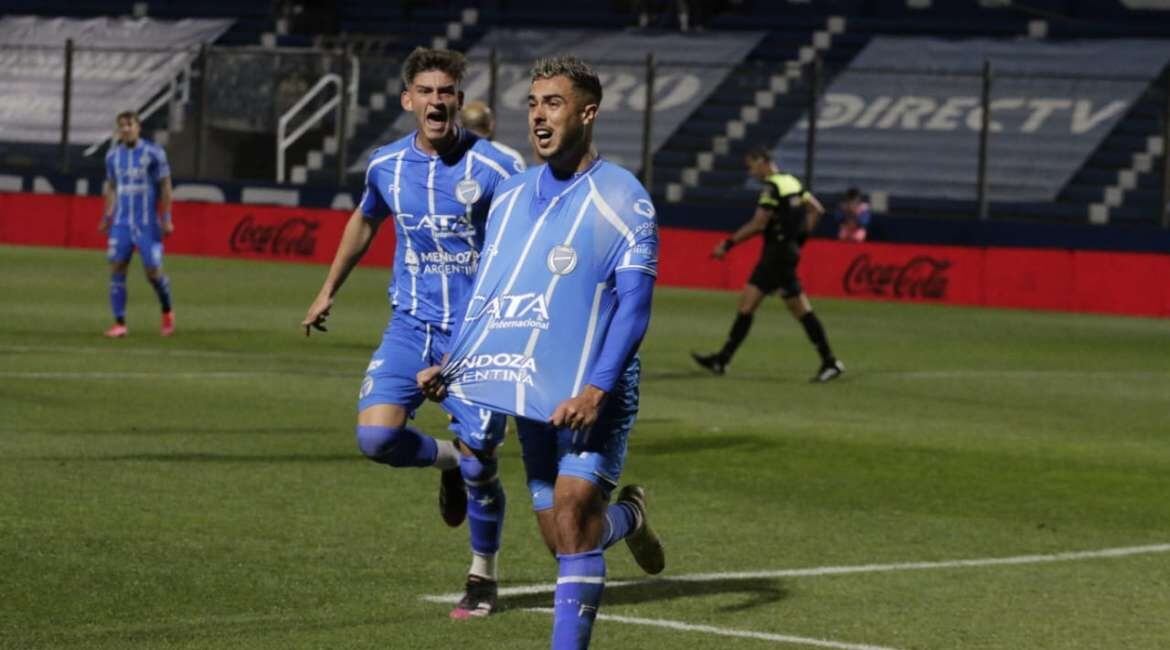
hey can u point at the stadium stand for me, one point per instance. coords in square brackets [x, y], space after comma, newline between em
[760, 97]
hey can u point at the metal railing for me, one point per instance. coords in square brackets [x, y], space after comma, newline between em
[176, 95]
[284, 140]
[343, 103]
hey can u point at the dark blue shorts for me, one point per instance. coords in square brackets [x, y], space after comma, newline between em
[408, 346]
[597, 455]
[124, 239]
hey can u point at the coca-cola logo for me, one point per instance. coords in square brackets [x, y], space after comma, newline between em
[920, 277]
[295, 237]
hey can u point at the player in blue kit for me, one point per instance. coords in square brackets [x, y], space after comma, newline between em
[137, 214]
[560, 306]
[435, 184]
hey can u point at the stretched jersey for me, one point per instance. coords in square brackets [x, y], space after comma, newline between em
[439, 204]
[544, 296]
[136, 172]
[784, 196]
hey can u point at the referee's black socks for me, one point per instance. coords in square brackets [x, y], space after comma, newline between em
[739, 332]
[816, 334]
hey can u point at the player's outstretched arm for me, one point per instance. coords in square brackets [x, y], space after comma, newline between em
[355, 241]
[753, 227]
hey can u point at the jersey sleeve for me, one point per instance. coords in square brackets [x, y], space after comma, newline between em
[511, 158]
[372, 204]
[111, 173]
[159, 168]
[640, 252]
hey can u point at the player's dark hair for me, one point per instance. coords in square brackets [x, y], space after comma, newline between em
[423, 59]
[577, 71]
[852, 194]
[758, 153]
[127, 115]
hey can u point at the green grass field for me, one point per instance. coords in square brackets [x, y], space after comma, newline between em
[205, 491]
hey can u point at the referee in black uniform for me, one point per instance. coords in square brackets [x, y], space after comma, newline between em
[785, 214]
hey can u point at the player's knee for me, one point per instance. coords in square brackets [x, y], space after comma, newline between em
[542, 495]
[380, 443]
[570, 526]
[478, 471]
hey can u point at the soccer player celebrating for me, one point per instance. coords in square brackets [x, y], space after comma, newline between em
[560, 305]
[436, 184]
[137, 214]
[785, 214]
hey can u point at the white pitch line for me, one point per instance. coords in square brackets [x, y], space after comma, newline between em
[726, 631]
[175, 352]
[841, 570]
[1015, 374]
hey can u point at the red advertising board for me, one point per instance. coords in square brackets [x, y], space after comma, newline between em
[1120, 283]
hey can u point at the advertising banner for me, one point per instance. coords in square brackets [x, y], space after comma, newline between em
[1066, 280]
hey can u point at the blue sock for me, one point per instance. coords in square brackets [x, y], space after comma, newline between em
[580, 581]
[620, 520]
[485, 503]
[397, 446]
[162, 287]
[118, 296]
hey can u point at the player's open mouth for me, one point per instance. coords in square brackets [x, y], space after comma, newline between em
[543, 136]
[436, 119]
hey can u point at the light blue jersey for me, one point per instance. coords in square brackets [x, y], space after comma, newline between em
[438, 204]
[136, 173]
[545, 293]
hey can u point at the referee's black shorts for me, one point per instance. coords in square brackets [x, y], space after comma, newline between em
[778, 272]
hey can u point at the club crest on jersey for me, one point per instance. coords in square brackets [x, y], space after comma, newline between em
[468, 191]
[644, 208]
[562, 260]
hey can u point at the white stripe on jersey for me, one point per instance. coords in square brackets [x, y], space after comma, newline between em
[489, 255]
[548, 294]
[439, 247]
[396, 189]
[143, 214]
[610, 215]
[398, 181]
[490, 163]
[380, 159]
[594, 312]
[517, 159]
[122, 167]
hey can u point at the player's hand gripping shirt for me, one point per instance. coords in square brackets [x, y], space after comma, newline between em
[135, 172]
[438, 204]
[545, 294]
